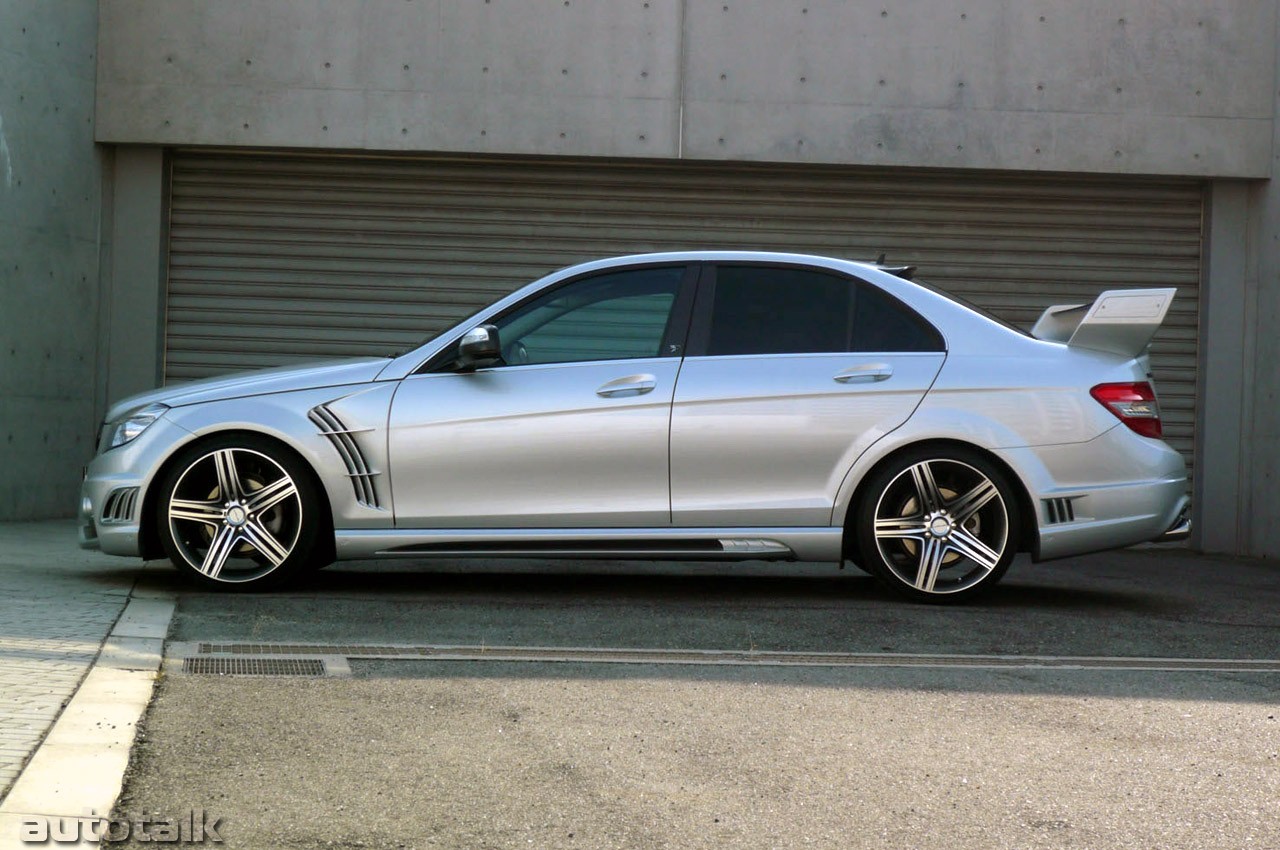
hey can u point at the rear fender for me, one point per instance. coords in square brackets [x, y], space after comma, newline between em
[936, 425]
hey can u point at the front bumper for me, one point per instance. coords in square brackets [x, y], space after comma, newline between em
[115, 483]
[88, 529]
[113, 532]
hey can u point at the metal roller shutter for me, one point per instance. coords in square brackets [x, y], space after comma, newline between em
[273, 258]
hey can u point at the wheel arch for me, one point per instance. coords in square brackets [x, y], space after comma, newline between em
[1027, 527]
[148, 532]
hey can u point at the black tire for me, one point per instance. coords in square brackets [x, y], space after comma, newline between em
[240, 513]
[938, 524]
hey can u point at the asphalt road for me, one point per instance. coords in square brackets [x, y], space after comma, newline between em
[491, 754]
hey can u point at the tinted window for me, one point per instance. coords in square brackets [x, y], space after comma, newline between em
[763, 310]
[882, 323]
[773, 310]
[606, 317]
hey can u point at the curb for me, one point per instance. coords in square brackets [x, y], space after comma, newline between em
[78, 770]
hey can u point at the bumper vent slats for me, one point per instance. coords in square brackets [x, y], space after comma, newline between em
[1059, 510]
[348, 449]
[120, 506]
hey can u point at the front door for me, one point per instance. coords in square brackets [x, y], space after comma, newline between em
[570, 430]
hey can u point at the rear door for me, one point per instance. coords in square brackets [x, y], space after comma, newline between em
[791, 372]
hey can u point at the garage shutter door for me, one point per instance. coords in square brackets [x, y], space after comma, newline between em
[273, 258]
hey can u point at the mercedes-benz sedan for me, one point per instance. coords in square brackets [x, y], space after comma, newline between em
[703, 405]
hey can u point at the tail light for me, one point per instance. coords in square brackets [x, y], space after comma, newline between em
[1133, 404]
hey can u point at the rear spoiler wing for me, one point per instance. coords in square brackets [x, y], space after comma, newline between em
[1119, 321]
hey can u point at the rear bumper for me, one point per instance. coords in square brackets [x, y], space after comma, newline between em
[1179, 531]
[1120, 517]
[1115, 491]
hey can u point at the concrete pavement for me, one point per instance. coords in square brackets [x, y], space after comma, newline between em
[485, 752]
[57, 605]
[79, 649]
[490, 752]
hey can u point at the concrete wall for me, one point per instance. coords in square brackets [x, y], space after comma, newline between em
[1166, 87]
[50, 210]
[1169, 87]
[1240, 348]
[1260, 459]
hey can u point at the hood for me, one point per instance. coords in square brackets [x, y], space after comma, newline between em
[305, 376]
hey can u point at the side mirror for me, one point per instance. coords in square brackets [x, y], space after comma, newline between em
[479, 347]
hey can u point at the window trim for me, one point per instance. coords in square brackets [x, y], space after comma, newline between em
[700, 332]
[675, 333]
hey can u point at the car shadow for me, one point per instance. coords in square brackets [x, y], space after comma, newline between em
[1086, 609]
[643, 581]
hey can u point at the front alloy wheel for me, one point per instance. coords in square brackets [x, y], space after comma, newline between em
[939, 526]
[238, 514]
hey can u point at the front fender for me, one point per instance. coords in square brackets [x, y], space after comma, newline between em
[361, 412]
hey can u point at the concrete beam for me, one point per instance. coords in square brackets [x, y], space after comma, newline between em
[133, 338]
[1226, 293]
[1169, 88]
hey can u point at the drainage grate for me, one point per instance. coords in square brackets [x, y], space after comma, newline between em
[357, 650]
[253, 666]
[336, 654]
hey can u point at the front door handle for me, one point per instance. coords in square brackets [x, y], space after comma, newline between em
[628, 386]
[865, 372]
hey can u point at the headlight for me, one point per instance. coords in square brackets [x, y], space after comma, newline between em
[135, 423]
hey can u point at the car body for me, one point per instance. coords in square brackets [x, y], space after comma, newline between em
[693, 405]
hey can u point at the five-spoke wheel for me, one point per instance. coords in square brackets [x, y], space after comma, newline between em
[938, 525]
[238, 512]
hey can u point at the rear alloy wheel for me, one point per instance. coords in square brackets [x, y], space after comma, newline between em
[939, 525]
[238, 513]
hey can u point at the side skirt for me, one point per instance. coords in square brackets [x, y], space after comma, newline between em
[716, 544]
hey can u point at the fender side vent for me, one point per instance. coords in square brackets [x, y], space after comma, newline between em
[1059, 510]
[349, 450]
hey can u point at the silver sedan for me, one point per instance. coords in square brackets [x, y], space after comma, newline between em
[699, 405]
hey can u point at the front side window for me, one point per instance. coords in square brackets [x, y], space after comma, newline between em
[611, 316]
[782, 310]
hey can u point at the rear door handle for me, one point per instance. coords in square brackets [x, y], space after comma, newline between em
[865, 373]
[628, 386]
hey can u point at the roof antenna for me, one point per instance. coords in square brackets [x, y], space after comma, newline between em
[880, 259]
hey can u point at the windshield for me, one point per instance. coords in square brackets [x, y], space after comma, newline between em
[964, 302]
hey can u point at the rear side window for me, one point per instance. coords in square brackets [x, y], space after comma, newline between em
[781, 310]
[883, 323]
